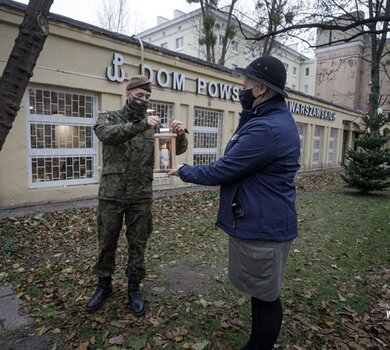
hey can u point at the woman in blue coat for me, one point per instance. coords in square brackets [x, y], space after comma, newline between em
[257, 195]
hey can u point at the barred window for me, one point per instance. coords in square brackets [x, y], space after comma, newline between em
[55, 103]
[317, 146]
[163, 110]
[203, 159]
[60, 136]
[207, 135]
[332, 150]
[62, 145]
[302, 130]
[61, 168]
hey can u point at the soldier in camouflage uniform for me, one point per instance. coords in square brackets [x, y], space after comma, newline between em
[126, 189]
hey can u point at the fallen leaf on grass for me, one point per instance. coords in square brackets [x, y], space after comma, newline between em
[201, 346]
[118, 340]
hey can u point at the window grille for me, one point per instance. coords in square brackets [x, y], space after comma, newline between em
[317, 146]
[207, 135]
[62, 148]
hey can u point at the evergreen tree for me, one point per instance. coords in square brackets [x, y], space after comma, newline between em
[368, 168]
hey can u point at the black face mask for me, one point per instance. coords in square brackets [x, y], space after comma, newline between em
[138, 105]
[246, 98]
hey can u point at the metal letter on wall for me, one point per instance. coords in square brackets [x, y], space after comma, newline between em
[212, 89]
[163, 77]
[179, 81]
[115, 72]
[147, 71]
[200, 85]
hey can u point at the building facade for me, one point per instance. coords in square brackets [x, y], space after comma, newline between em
[343, 70]
[181, 34]
[51, 153]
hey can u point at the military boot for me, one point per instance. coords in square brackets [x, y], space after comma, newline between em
[103, 291]
[135, 299]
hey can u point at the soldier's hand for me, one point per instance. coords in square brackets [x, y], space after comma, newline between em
[178, 127]
[153, 121]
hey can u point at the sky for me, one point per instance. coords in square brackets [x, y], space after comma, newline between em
[142, 13]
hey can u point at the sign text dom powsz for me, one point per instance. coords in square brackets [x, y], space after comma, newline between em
[173, 80]
[177, 81]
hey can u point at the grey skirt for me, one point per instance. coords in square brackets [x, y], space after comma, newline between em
[256, 267]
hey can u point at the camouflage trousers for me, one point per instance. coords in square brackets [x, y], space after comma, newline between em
[139, 226]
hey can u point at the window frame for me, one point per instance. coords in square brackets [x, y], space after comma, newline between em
[61, 152]
[235, 47]
[182, 42]
[198, 129]
[302, 142]
[319, 150]
[333, 151]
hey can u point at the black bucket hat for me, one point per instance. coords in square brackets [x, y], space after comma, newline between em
[266, 70]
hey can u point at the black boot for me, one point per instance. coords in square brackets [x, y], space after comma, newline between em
[135, 299]
[103, 291]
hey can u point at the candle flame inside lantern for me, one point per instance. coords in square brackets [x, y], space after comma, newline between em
[164, 157]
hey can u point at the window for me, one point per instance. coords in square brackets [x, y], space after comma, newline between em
[220, 41]
[179, 43]
[306, 89]
[286, 66]
[295, 71]
[250, 53]
[163, 33]
[207, 135]
[62, 145]
[302, 129]
[235, 46]
[317, 146]
[293, 86]
[332, 150]
[307, 72]
[164, 45]
[164, 111]
[179, 28]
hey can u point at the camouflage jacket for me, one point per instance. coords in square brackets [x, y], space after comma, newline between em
[128, 156]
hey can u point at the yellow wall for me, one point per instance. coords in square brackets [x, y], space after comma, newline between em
[75, 58]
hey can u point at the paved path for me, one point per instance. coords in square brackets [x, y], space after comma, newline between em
[17, 329]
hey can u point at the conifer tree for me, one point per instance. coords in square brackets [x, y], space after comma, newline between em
[368, 167]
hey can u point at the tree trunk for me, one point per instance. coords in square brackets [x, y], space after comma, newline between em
[213, 54]
[204, 9]
[227, 32]
[377, 47]
[273, 24]
[21, 62]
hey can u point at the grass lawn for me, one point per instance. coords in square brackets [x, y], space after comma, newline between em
[337, 283]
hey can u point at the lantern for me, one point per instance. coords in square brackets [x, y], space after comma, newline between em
[164, 152]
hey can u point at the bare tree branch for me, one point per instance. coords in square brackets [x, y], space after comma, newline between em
[326, 26]
[113, 15]
[346, 40]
